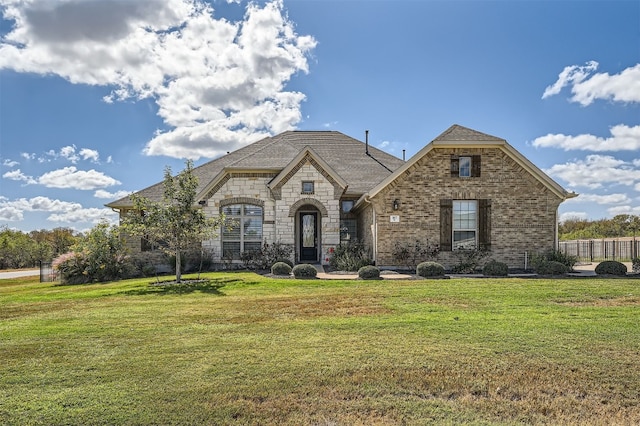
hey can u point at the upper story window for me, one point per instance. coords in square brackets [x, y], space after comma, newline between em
[347, 205]
[465, 166]
[308, 187]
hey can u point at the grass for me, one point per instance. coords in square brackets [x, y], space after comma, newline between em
[244, 349]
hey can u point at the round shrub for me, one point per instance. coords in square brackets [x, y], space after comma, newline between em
[304, 270]
[551, 267]
[287, 261]
[611, 267]
[493, 268]
[280, 268]
[369, 272]
[430, 269]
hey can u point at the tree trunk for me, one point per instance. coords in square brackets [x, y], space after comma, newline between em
[178, 267]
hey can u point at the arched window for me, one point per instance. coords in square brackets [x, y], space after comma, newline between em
[242, 231]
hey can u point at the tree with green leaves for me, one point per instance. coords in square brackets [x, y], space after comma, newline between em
[176, 223]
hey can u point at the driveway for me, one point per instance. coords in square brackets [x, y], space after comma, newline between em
[20, 273]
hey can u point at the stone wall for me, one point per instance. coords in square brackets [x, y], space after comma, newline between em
[523, 210]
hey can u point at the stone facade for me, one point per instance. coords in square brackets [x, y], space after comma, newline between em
[523, 210]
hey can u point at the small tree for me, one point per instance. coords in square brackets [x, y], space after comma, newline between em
[176, 223]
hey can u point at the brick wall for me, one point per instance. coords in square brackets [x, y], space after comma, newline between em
[523, 210]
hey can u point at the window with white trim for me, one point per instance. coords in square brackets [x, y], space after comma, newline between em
[465, 224]
[242, 230]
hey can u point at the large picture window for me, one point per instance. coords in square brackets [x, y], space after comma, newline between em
[242, 230]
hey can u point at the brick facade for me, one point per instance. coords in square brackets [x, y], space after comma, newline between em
[523, 210]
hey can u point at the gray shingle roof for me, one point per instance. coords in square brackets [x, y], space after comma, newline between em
[461, 133]
[344, 154]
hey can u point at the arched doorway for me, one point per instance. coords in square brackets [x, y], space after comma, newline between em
[308, 220]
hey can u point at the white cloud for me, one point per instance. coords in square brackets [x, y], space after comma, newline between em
[10, 163]
[600, 199]
[587, 87]
[60, 211]
[93, 215]
[637, 187]
[26, 155]
[18, 176]
[218, 84]
[69, 152]
[90, 154]
[622, 138]
[573, 215]
[101, 193]
[613, 211]
[596, 170]
[70, 177]
[14, 210]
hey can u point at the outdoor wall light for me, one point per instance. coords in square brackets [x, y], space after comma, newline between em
[396, 204]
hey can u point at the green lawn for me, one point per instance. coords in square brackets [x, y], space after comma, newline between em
[244, 349]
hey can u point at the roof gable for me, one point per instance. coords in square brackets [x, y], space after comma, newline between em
[459, 136]
[308, 156]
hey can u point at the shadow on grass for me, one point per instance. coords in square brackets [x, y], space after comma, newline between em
[185, 287]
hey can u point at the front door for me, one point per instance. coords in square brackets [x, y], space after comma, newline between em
[308, 237]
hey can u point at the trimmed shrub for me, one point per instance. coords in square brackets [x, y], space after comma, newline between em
[551, 267]
[287, 261]
[430, 269]
[611, 267]
[494, 268]
[567, 260]
[369, 273]
[304, 270]
[281, 268]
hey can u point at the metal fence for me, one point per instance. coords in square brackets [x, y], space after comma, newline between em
[620, 249]
[47, 273]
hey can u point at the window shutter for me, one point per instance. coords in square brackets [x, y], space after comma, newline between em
[484, 224]
[475, 166]
[455, 166]
[446, 225]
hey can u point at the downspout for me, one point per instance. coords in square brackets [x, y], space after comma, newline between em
[374, 229]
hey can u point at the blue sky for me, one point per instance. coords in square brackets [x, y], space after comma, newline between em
[97, 97]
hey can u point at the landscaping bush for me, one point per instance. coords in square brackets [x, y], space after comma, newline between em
[567, 260]
[369, 272]
[494, 268]
[635, 265]
[611, 267]
[99, 257]
[287, 261]
[430, 269]
[349, 257]
[281, 268]
[267, 255]
[551, 267]
[304, 270]
[469, 260]
[410, 254]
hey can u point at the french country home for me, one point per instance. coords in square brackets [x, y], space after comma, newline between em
[314, 190]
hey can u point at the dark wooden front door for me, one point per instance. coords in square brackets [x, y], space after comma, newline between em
[308, 237]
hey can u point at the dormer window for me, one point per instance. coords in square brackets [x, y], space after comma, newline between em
[465, 166]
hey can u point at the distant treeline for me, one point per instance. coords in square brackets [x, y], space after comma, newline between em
[622, 225]
[25, 250]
